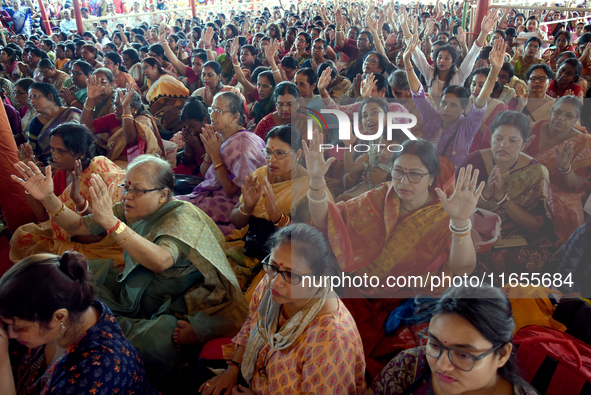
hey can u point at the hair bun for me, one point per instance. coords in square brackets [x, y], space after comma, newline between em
[74, 265]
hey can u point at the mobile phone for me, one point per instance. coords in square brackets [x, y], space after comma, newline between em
[184, 43]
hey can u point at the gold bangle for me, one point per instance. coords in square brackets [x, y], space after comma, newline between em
[243, 212]
[128, 237]
[88, 108]
[59, 212]
[351, 178]
[218, 165]
[120, 229]
[495, 80]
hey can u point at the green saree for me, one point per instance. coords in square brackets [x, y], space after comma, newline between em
[200, 286]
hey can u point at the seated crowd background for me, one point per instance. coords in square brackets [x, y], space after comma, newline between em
[165, 199]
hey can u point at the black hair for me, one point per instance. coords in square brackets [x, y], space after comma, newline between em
[485, 52]
[234, 29]
[536, 39]
[11, 53]
[543, 66]
[489, 311]
[508, 67]
[310, 74]
[576, 63]
[39, 53]
[461, 93]
[215, 66]
[115, 58]
[77, 139]
[454, 58]
[325, 66]
[397, 134]
[194, 109]
[382, 83]
[585, 38]
[45, 64]
[446, 34]
[143, 40]
[288, 133]
[573, 101]
[47, 90]
[290, 62]
[235, 105]
[60, 282]
[426, 151]
[286, 88]
[308, 39]
[158, 49]
[311, 245]
[502, 33]
[485, 72]
[512, 118]
[49, 42]
[250, 48]
[510, 32]
[133, 55]
[153, 62]
[24, 83]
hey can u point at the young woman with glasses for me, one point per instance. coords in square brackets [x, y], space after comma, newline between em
[289, 316]
[466, 349]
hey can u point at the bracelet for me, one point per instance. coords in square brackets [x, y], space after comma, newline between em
[409, 36]
[236, 65]
[114, 228]
[506, 201]
[206, 162]
[128, 237]
[218, 165]
[232, 362]
[243, 212]
[283, 221]
[120, 229]
[84, 209]
[505, 197]
[495, 80]
[206, 46]
[59, 212]
[563, 172]
[351, 178]
[27, 192]
[311, 200]
[319, 189]
[455, 229]
[410, 69]
[88, 108]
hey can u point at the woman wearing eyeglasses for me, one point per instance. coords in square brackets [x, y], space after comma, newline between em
[559, 145]
[272, 197]
[73, 162]
[114, 63]
[45, 99]
[169, 248]
[299, 337]
[21, 94]
[467, 349]
[518, 191]
[535, 103]
[232, 153]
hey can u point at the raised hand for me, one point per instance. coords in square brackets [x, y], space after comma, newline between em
[39, 186]
[212, 141]
[411, 47]
[460, 206]
[461, 36]
[522, 95]
[324, 80]
[101, 196]
[367, 86]
[489, 21]
[75, 188]
[25, 153]
[234, 48]
[316, 165]
[564, 155]
[93, 90]
[207, 36]
[497, 55]
[126, 99]
[270, 201]
[251, 192]
[163, 33]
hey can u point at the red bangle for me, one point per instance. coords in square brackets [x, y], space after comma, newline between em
[114, 228]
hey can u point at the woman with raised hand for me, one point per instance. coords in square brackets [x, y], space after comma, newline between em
[447, 127]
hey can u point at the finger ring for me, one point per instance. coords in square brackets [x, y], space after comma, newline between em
[207, 385]
[102, 194]
[465, 189]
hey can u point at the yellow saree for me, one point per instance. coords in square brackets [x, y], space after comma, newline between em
[34, 238]
[146, 128]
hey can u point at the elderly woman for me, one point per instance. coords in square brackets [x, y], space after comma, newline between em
[129, 131]
[285, 306]
[76, 96]
[73, 342]
[535, 104]
[272, 197]
[51, 75]
[518, 191]
[173, 253]
[467, 348]
[45, 99]
[99, 101]
[566, 153]
[165, 96]
[73, 161]
[232, 154]
[21, 94]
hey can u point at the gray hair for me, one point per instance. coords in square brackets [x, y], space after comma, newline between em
[235, 105]
[106, 72]
[160, 172]
[399, 80]
[136, 100]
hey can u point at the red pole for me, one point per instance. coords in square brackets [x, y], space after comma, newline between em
[45, 18]
[78, 16]
[193, 8]
[481, 11]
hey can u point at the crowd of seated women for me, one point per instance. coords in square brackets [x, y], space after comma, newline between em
[170, 194]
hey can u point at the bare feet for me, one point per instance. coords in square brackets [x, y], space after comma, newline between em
[184, 334]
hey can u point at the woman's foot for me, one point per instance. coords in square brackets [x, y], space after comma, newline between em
[184, 334]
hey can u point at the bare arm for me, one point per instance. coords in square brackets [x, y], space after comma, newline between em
[496, 58]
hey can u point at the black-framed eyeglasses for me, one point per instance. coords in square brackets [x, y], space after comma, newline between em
[137, 192]
[277, 153]
[413, 178]
[288, 277]
[459, 358]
